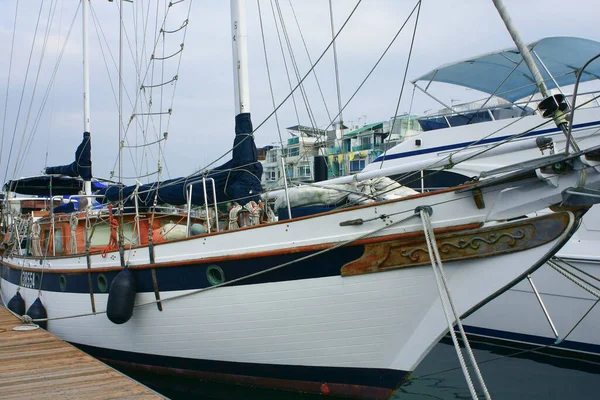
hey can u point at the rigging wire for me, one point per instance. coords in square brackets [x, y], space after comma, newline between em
[50, 18]
[337, 74]
[180, 58]
[262, 33]
[145, 125]
[378, 61]
[281, 103]
[309, 112]
[10, 64]
[100, 35]
[49, 92]
[308, 73]
[373, 68]
[23, 90]
[287, 72]
[46, 96]
[310, 61]
[412, 42]
[149, 70]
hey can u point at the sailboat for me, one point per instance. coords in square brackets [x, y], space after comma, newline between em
[345, 302]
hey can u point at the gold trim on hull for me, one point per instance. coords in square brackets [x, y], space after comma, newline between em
[463, 245]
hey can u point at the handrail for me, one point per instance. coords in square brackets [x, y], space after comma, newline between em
[189, 204]
[214, 199]
[519, 104]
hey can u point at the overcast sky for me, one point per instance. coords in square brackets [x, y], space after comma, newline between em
[201, 123]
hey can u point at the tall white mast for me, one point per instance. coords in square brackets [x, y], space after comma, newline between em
[86, 82]
[240, 56]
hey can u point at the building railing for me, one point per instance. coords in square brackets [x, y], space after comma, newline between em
[360, 147]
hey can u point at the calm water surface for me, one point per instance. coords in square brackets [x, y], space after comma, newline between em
[529, 375]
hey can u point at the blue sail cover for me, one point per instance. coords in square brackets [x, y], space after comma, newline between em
[237, 179]
[48, 185]
[500, 72]
[82, 166]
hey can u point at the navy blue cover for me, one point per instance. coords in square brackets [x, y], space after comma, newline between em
[48, 185]
[82, 166]
[237, 179]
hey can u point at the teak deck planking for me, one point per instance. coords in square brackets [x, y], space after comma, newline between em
[36, 364]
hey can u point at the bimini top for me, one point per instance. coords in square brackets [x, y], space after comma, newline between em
[491, 73]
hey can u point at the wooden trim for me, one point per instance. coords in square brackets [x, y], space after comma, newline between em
[270, 253]
[457, 246]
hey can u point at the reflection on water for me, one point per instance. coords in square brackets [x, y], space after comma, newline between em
[509, 372]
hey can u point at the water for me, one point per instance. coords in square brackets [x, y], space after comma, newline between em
[509, 372]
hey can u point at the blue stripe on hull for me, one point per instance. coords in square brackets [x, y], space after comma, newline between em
[193, 276]
[533, 339]
[353, 382]
[387, 157]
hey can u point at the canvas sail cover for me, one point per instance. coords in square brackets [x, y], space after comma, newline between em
[82, 166]
[237, 179]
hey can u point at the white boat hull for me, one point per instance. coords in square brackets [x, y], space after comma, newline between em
[382, 323]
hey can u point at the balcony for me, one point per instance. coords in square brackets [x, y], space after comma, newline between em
[360, 147]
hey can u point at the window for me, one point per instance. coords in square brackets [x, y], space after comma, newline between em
[293, 151]
[365, 142]
[46, 239]
[469, 118]
[430, 124]
[347, 145]
[58, 241]
[290, 172]
[304, 171]
[272, 157]
[356, 166]
[271, 175]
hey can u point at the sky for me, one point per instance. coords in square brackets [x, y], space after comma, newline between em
[41, 99]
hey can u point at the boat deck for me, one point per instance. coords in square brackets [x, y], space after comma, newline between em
[36, 364]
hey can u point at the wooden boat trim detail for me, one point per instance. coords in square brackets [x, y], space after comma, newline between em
[457, 246]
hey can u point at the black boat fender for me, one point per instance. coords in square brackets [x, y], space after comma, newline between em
[121, 297]
[38, 311]
[17, 304]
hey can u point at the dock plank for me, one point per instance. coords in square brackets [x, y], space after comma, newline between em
[36, 364]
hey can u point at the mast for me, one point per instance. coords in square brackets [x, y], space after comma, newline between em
[551, 106]
[86, 84]
[240, 56]
[340, 125]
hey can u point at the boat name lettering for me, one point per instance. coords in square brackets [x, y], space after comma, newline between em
[28, 280]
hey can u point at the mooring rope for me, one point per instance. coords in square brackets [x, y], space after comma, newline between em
[442, 285]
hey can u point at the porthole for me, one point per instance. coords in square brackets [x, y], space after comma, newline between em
[215, 275]
[102, 283]
[62, 282]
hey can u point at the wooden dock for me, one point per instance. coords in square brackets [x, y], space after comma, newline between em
[36, 364]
